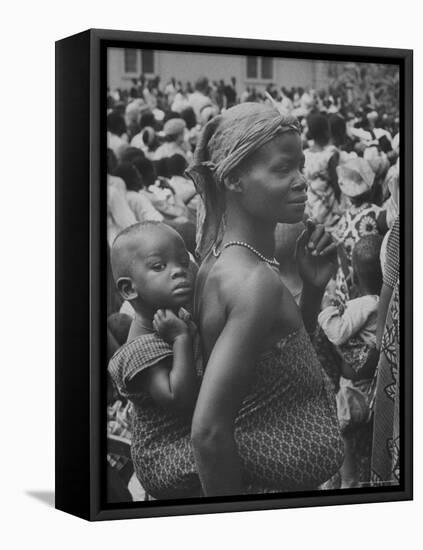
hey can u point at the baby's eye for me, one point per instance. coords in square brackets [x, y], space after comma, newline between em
[159, 266]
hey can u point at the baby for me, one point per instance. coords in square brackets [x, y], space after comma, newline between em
[353, 331]
[155, 369]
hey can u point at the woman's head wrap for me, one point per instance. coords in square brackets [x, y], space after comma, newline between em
[226, 141]
[355, 177]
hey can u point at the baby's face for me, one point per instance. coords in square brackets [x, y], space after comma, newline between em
[160, 271]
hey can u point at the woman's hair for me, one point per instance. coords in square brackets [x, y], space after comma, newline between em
[318, 129]
[147, 119]
[225, 144]
[130, 154]
[161, 167]
[187, 231]
[111, 161]
[169, 115]
[149, 138]
[188, 115]
[361, 199]
[116, 123]
[175, 165]
[130, 175]
[366, 262]
[202, 84]
[337, 129]
[145, 169]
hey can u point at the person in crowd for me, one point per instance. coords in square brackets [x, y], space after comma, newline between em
[193, 129]
[159, 192]
[362, 218]
[184, 187]
[133, 113]
[320, 161]
[117, 139]
[174, 140]
[139, 203]
[230, 93]
[352, 329]
[200, 99]
[258, 427]
[155, 369]
[147, 120]
[119, 214]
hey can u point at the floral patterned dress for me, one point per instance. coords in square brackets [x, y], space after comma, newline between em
[385, 463]
[354, 224]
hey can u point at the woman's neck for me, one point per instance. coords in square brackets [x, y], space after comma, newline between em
[241, 226]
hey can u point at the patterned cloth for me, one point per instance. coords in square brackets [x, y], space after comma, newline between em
[286, 430]
[385, 466]
[161, 448]
[354, 224]
[391, 271]
[118, 423]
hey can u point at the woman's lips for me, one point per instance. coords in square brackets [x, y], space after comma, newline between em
[301, 199]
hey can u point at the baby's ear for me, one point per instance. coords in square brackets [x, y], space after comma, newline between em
[126, 288]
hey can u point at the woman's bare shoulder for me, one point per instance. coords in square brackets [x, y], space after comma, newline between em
[245, 282]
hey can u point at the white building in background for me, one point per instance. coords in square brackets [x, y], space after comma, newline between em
[124, 64]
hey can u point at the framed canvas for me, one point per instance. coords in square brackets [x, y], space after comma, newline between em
[264, 179]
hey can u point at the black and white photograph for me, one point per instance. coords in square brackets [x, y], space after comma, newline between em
[253, 275]
[211, 275]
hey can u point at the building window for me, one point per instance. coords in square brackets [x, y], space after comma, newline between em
[147, 61]
[252, 63]
[267, 68]
[130, 60]
[259, 68]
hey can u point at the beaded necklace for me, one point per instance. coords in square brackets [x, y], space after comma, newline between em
[272, 262]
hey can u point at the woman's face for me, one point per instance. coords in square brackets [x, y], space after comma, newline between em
[272, 187]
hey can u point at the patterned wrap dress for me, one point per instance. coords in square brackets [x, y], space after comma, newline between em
[286, 431]
[385, 464]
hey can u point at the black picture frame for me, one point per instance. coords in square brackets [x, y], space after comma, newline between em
[81, 272]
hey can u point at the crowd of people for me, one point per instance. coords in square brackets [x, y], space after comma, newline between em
[258, 384]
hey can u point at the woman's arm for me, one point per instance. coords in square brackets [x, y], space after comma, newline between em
[382, 223]
[310, 306]
[226, 381]
[317, 261]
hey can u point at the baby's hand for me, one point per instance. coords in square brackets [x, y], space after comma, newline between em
[168, 326]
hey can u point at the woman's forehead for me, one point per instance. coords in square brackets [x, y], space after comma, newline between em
[288, 143]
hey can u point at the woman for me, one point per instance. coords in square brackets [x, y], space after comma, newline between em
[320, 161]
[265, 418]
